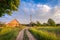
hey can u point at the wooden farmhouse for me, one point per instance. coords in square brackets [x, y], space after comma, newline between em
[14, 23]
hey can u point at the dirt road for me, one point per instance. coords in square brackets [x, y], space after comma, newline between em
[21, 34]
[31, 37]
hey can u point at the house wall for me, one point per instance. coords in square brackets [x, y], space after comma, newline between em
[14, 23]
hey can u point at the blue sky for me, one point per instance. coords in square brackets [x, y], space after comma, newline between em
[41, 10]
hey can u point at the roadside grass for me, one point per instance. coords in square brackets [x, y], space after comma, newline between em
[25, 37]
[42, 35]
[0, 29]
[55, 30]
[9, 33]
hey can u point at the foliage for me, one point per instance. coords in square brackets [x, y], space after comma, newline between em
[33, 24]
[45, 24]
[43, 35]
[55, 30]
[50, 29]
[7, 6]
[51, 22]
[2, 24]
[9, 33]
[38, 23]
[57, 24]
[25, 36]
[0, 29]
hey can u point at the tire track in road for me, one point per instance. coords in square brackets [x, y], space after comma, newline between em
[20, 35]
[31, 37]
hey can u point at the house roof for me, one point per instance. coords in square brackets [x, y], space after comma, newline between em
[14, 21]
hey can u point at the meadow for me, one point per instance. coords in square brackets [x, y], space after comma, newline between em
[46, 33]
[9, 33]
[40, 33]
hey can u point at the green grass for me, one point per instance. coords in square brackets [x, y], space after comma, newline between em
[0, 29]
[43, 35]
[55, 30]
[25, 36]
[52, 29]
[8, 33]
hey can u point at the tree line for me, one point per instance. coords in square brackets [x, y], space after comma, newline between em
[50, 22]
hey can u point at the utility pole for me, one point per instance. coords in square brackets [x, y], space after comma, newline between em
[30, 20]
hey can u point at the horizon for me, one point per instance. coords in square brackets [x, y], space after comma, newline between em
[40, 10]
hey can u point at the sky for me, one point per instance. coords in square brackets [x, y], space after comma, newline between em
[40, 10]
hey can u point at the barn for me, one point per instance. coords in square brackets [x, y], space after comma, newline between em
[13, 23]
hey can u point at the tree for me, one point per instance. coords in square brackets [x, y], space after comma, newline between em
[2, 24]
[45, 24]
[32, 24]
[51, 22]
[7, 6]
[38, 23]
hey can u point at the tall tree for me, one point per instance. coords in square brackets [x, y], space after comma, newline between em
[7, 6]
[2, 24]
[51, 22]
[32, 24]
[45, 24]
[38, 23]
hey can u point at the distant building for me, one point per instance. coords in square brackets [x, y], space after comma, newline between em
[13, 23]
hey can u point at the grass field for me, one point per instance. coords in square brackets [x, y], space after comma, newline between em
[51, 29]
[9, 33]
[40, 33]
[55, 30]
[0, 29]
[46, 33]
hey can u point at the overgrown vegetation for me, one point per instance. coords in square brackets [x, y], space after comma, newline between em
[50, 22]
[9, 33]
[25, 37]
[55, 30]
[42, 35]
[50, 29]
[7, 6]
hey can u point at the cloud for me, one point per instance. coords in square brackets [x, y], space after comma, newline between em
[39, 12]
[44, 8]
[42, 12]
[57, 11]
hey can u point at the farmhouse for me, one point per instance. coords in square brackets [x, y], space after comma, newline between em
[13, 23]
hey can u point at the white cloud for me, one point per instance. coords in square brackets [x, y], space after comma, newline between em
[39, 5]
[26, 10]
[57, 11]
[44, 8]
[39, 12]
[42, 12]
